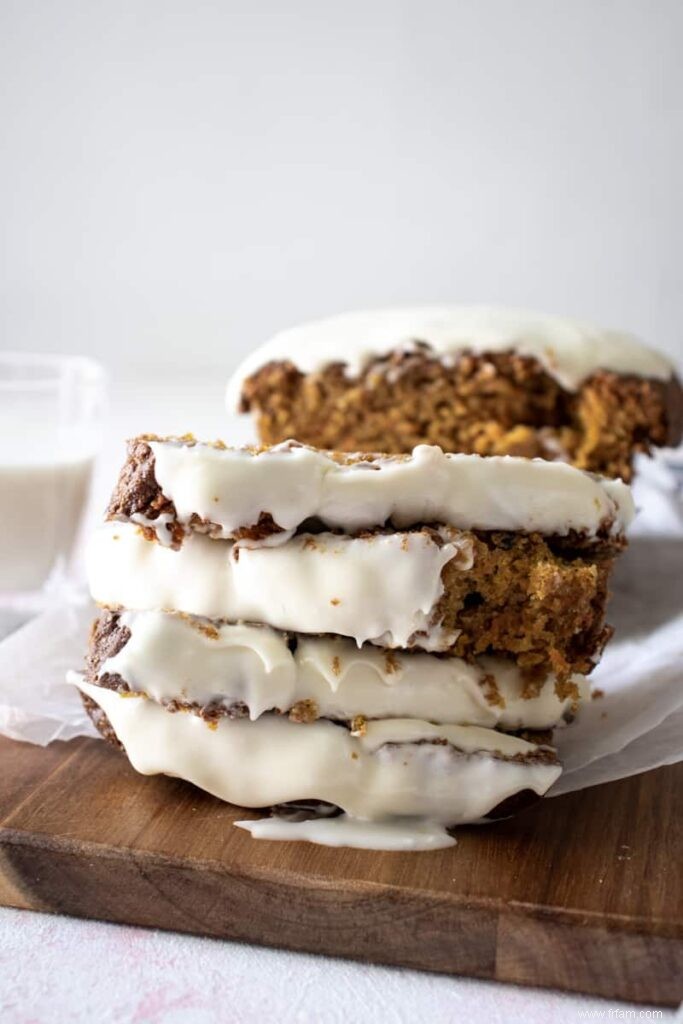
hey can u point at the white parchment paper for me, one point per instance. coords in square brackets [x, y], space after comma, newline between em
[636, 724]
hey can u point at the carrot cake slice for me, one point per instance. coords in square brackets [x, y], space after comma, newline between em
[470, 379]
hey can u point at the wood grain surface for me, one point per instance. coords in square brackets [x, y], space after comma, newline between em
[581, 893]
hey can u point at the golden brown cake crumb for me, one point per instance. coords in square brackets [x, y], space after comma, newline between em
[492, 693]
[489, 404]
[359, 725]
[522, 600]
[304, 711]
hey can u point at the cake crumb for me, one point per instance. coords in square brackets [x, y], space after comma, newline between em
[492, 694]
[206, 628]
[391, 663]
[359, 725]
[567, 689]
[304, 712]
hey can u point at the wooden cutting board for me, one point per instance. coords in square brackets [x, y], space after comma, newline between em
[582, 892]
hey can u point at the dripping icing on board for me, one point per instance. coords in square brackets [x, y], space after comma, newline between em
[407, 834]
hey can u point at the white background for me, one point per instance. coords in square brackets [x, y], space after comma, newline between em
[180, 179]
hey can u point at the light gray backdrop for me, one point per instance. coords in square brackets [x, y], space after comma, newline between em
[179, 179]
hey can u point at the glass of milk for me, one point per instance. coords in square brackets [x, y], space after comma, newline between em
[50, 416]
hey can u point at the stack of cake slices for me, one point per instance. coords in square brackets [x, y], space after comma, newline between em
[373, 641]
[469, 378]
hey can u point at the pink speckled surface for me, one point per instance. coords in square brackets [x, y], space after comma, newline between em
[55, 969]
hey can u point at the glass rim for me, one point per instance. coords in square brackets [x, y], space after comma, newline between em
[90, 372]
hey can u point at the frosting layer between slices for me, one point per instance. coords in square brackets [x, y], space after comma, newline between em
[449, 774]
[174, 658]
[382, 588]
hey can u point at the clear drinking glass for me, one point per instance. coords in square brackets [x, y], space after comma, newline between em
[50, 429]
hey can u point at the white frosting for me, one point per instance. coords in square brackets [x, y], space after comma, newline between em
[274, 761]
[382, 588]
[401, 834]
[162, 526]
[231, 487]
[173, 658]
[570, 351]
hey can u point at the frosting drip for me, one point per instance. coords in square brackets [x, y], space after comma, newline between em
[401, 834]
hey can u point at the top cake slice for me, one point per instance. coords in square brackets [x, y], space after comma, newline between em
[470, 379]
[174, 486]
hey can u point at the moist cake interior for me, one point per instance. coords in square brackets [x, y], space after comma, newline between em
[499, 403]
